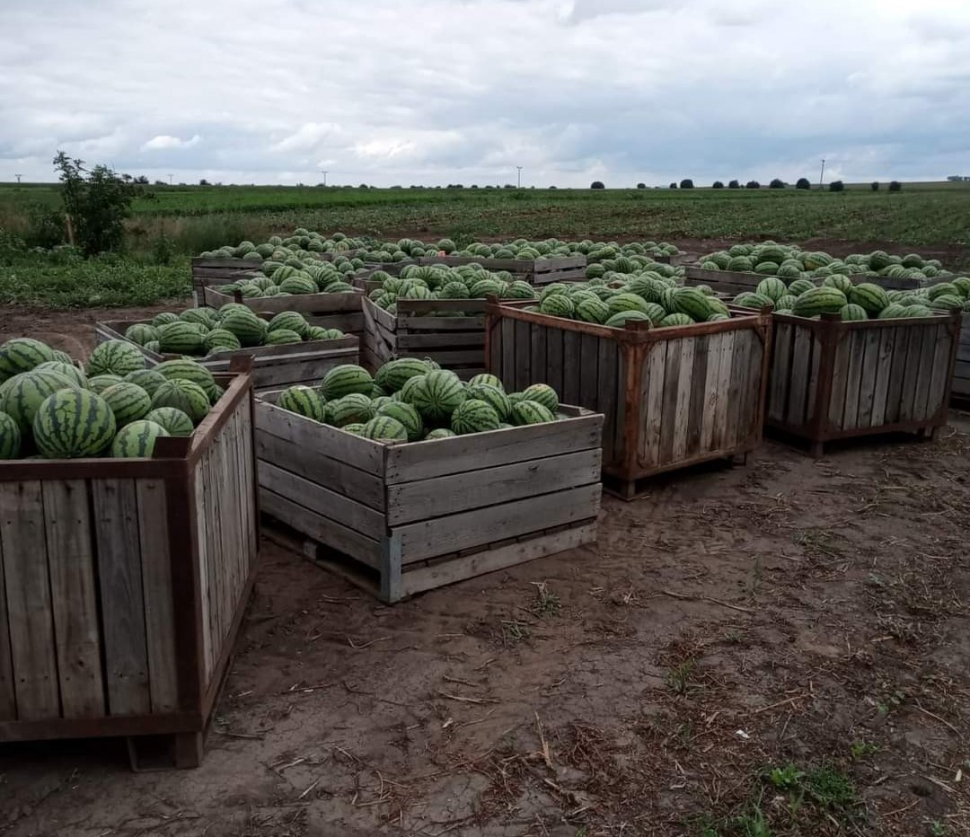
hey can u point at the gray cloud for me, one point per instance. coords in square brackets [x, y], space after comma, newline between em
[439, 91]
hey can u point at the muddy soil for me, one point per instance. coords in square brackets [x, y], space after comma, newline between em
[784, 643]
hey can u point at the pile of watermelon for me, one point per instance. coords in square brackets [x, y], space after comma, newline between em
[301, 242]
[439, 282]
[411, 400]
[790, 262]
[645, 296]
[203, 331]
[838, 294]
[52, 407]
[294, 276]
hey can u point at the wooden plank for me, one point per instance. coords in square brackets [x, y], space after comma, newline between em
[321, 528]
[736, 433]
[813, 373]
[8, 700]
[31, 627]
[884, 363]
[857, 357]
[554, 359]
[668, 428]
[422, 499]
[444, 535]
[423, 460]
[715, 349]
[682, 413]
[71, 561]
[538, 355]
[205, 572]
[651, 401]
[907, 400]
[897, 373]
[931, 336]
[751, 409]
[589, 371]
[608, 383]
[494, 361]
[869, 378]
[719, 437]
[799, 378]
[941, 363]
[840, 376]
[508, 351]
[523, 355]
[122, 600]
[780, 372]
[458, 569]
[415, 342]
[571, 390]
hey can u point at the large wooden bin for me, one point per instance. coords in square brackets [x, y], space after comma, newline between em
[341, 311]
[535, 271]
[834, 380]
[123, 584]
[412, 517]
[273, 367]
[672, 397]
[960, 395]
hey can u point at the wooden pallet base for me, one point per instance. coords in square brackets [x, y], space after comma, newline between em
[817, 448]
[151, 753]
[437, 572]
[629, 490]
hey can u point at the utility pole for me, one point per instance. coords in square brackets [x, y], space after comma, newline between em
[518, 183]
[822, 175]
[170, 180]
[18, 176]
[324, 173]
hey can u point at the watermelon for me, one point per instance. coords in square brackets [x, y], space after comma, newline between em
[852, 313]
[345, 379]
[220, 340]
[474, 416]
[406, 414]
[115, 357]
[842, 283]
[559, 305]
[772, 287]
[148, 379]
[175, 422]
[825, 299]
[291, 320]
[395, 373]
[491, 380]
[304, 401]
[676, 319]
[438, 397]
[942, 289]
[799, 286]
[22, 395]
[66, 370]
[21, 355]
[748, 299]
[282, 337]
[385, 429]
[181, 338]
[10, 437]
[529, 412]
[492, 396]
[409, 391]
[141, 333]
[73, 423]
[542, 394]
[893, 311]
[692, 302]
[621, 318]
[137, 440]
[353, 408]
[440, 433]
[946, 302]
[245, 325]
[592, 311]
[626, 302]
[99, 383]
[184, 395]
[186, 369]
[871, 298]
[164, 318]
[129, 402]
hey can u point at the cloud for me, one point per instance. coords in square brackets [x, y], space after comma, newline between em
[164, 142]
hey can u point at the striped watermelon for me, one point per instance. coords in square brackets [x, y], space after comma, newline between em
[557, 305]
[621, 318]
[676, 319]
[823, 300]
[292, 321]
[129, 402]
[181, 338]
[10, 437]
[529, 412]
[392, 376]
[115, 357]
[626, 302]
[298, 285]
[493, 396]
[894, 311]
[837, 280]
[439, 395]
[184, 395]
[204, 317]
[345, 379]
[63, 357]
[99, 383]
[282, 337]
[749, 299]
[304, 401]
[440, 433]
[73, 423]
[542, 394]
[692, 302]
[870, 297]
[66, 370]
[148, 379]
[22, 395]
[474, 416]
[164, 318]
[800, 286]
[245, 325]
[220, 340]
[353, 408]
[853, 313]
[592, 310]
[21, 355]
[137, 440]
[486, 378]
[384, 429]
[175, 422]
[407, 415]
[186, 369]
[141, 333]
[409, 391]
[942, 289]
[946, 302]
[772, 287]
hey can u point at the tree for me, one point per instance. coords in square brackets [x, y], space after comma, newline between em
[734, 185]
[752, 184]
[673, 185]
[141, 180]
[836, 186]
[686, 183]
[97, 203]
[803, 183]
[641, 185]
[717, 185]
[777, 184]
[874, 185]
[203, 182]
[597, 184]
[895, 186]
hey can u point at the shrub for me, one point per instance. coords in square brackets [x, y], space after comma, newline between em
[895, 186]
[673, 185]
[874, 185]
[803, 183]
[776, 184]
[641, 185]
[836, 186]
[734, 185]
[686, 183]
[752, 184]
[203, 182]
[717, 185]
[45, 226]
[597, 184]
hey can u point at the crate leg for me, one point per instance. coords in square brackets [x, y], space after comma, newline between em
[817, 449]
[188, 750]
[926, 434]
[391, 590]
[179, 751]
[737, 459]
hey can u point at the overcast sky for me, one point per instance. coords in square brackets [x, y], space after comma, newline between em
[447, 91]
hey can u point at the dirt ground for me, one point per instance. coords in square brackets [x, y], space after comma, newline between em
[782, 646]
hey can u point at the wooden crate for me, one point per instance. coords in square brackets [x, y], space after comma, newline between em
[412, 517]
[834, 380]
[733, 282]
[536, 271]
[960, 394]
[273, 366]
[672, 397]
[123, 583]
[456, 343]
[341, 311]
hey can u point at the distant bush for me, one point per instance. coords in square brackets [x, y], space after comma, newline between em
[734, 185]
[803, 183]
[686, 183]
[836, 186]
[597, 184]
[895, 186]
[874, 185]
[45, 227]
[673, 185]
[203, 182]
[776, 184]
[752, 184]
[641, 185]
[717, 185]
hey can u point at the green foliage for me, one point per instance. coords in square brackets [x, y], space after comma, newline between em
[686, 183]
[895, 186]
[836, 186]
[45, 227]
[776, 183]
[597, 184]
[803, 183]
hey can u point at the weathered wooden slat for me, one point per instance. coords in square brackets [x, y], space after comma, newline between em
[415, 342]
[937, 396]
[682, 409]
[897, 372]
[884, 363]
[571, 374]
[780, 371]
[537, 361]
[799, 380]
[494, 362]
[869, 379]
[840, 377]
[668, 428]
[715, 350]
[736, 433]
[607, 372]
[651, 397]
[122, 598]
[907, 401]
[857, 356]
[8, 700]
[554, 360]
[813, 373]
[932, 335]
[508, 350]
[205, 570]
[31, 629]
[460, 531]
[588, 370]
[523, 356]
[71, 560]
[752, 404]
[719, 440]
